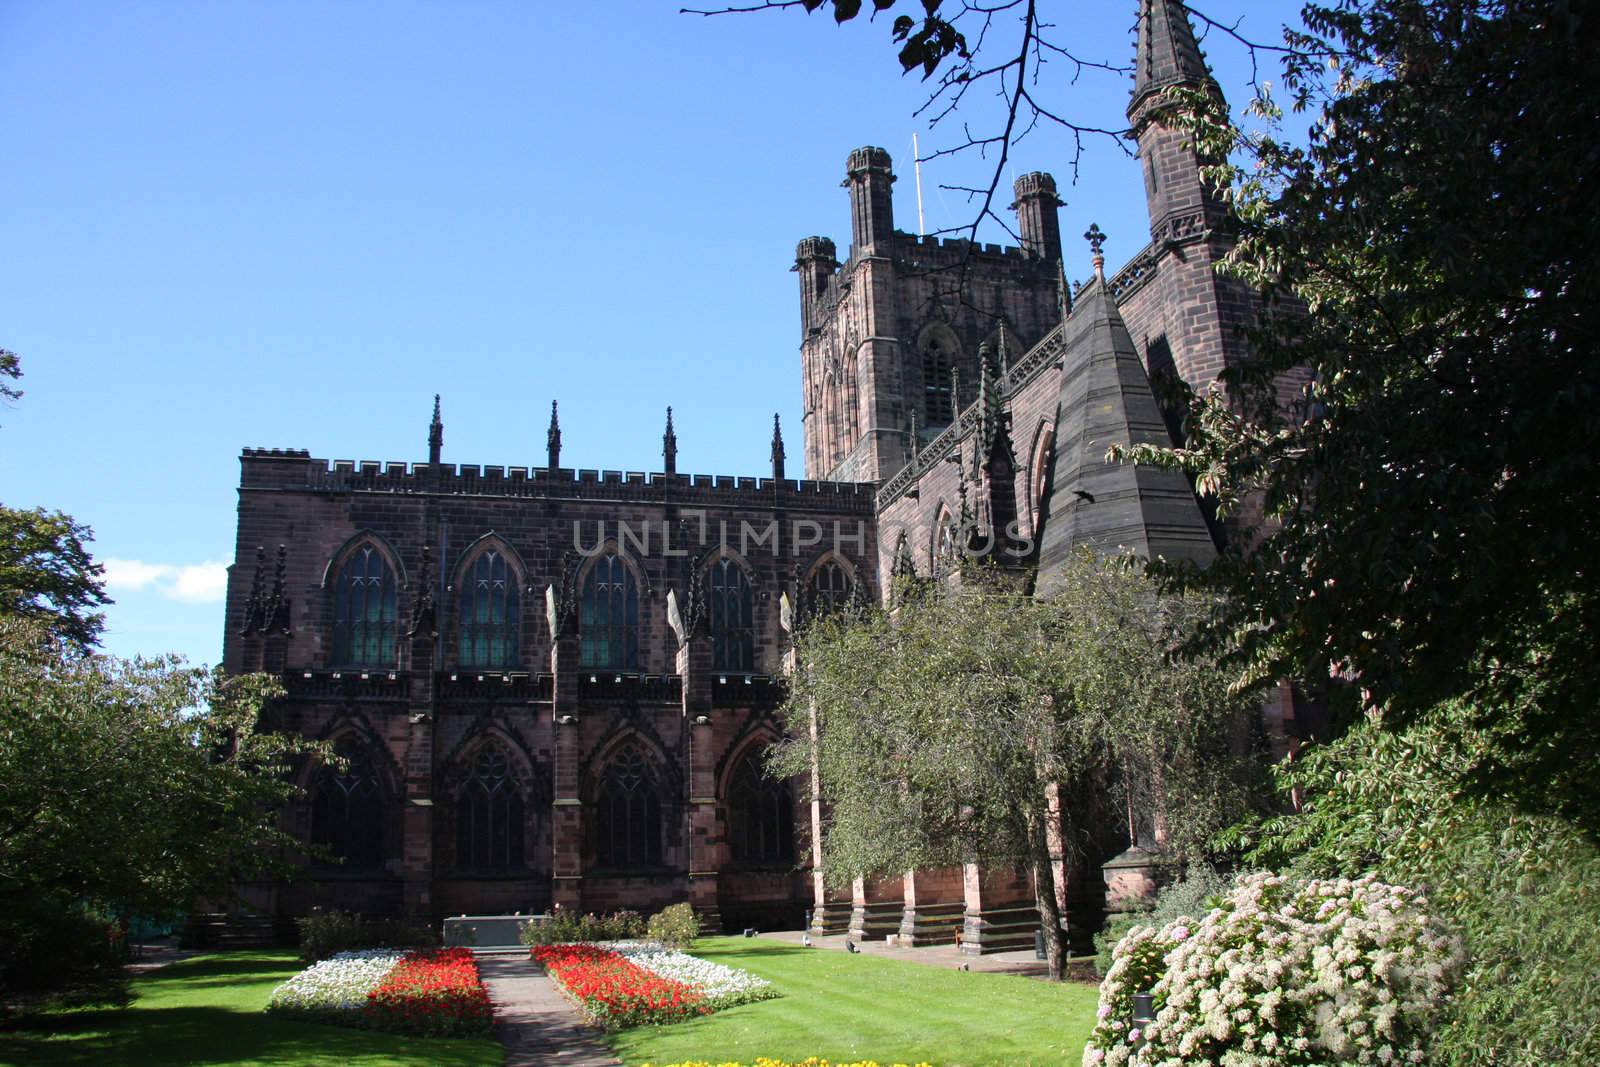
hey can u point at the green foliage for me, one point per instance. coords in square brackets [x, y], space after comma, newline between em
[48, 943]
[940, 731]
[46, 573]
[140, 784]
[675, 926]
[326, 933]
[10, 367]
[1523, 890]
[566, 926]
[1427, 261]
[1196, 893]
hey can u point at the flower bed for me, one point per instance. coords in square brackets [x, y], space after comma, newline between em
[637, 983]
[434, 992]
[336, 989]
[720, 985]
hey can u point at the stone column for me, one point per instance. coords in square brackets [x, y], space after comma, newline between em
[702, 830]
[934, 906]
[566, 816]
[417, 861]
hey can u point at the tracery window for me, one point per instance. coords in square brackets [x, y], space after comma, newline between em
[829, 588]
[609, 616]
[733, 634]
[938, 360]
[490, 613]
[347, 809]
[489, 815]
[364, 611]
[628, 819]
[760, 815]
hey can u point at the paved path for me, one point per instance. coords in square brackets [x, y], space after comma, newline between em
[536, 1023]
[948, 956]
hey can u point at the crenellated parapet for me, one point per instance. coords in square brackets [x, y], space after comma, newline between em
[296, 469]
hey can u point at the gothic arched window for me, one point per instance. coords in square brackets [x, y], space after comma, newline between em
[628, 819]
[938, 362]
[609, 616]
[489, 815]
[364, 611]
[490, 613]
[829, 588]
[760, 815]
[733, 633]
[347, 809]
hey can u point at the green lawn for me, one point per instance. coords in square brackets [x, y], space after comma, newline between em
[854, 1007]
[208, 1010]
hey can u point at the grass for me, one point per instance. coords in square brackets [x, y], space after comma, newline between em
[855, 1007]
[208, 1010]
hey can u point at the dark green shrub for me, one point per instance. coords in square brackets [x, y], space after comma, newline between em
[674, 926]
[48, 944]
[564, 927]
[328, 932]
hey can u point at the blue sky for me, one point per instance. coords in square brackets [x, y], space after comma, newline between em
[290, 224]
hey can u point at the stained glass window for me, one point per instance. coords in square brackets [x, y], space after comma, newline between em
[347, 809]
[628, 819]
[937, 361]
[609, 616]
[733, 635]
[489, 815]
[490, 613]
[829, 588]
[364, 611]
[760, 815]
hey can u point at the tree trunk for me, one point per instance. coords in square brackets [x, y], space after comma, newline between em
[1044, 894]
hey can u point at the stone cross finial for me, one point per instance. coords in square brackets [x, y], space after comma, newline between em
[553, 438]
[435, 434]
[1096, 239]
[669, 446]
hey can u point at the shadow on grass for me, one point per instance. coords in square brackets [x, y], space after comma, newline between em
[204, 1035]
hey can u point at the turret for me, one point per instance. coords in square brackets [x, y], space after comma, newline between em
[1037, 219]
[1168, 57]
[815, 260]
[869, 177]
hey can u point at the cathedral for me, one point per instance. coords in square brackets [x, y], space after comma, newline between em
[555, 685]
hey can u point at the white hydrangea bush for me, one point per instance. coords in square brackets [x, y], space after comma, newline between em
[1282, 973]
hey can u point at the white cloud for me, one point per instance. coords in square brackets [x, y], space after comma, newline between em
[193, 583]
[200, 583]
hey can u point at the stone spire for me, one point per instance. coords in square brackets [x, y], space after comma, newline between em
[553, 438]
[777, 449]
[435, 434]
[1105, 505]
[1167, 54]
[669, 446]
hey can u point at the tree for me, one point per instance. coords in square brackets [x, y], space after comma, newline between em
[141, 785]
[1430, 502]
[46, 573]
[980, 724]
